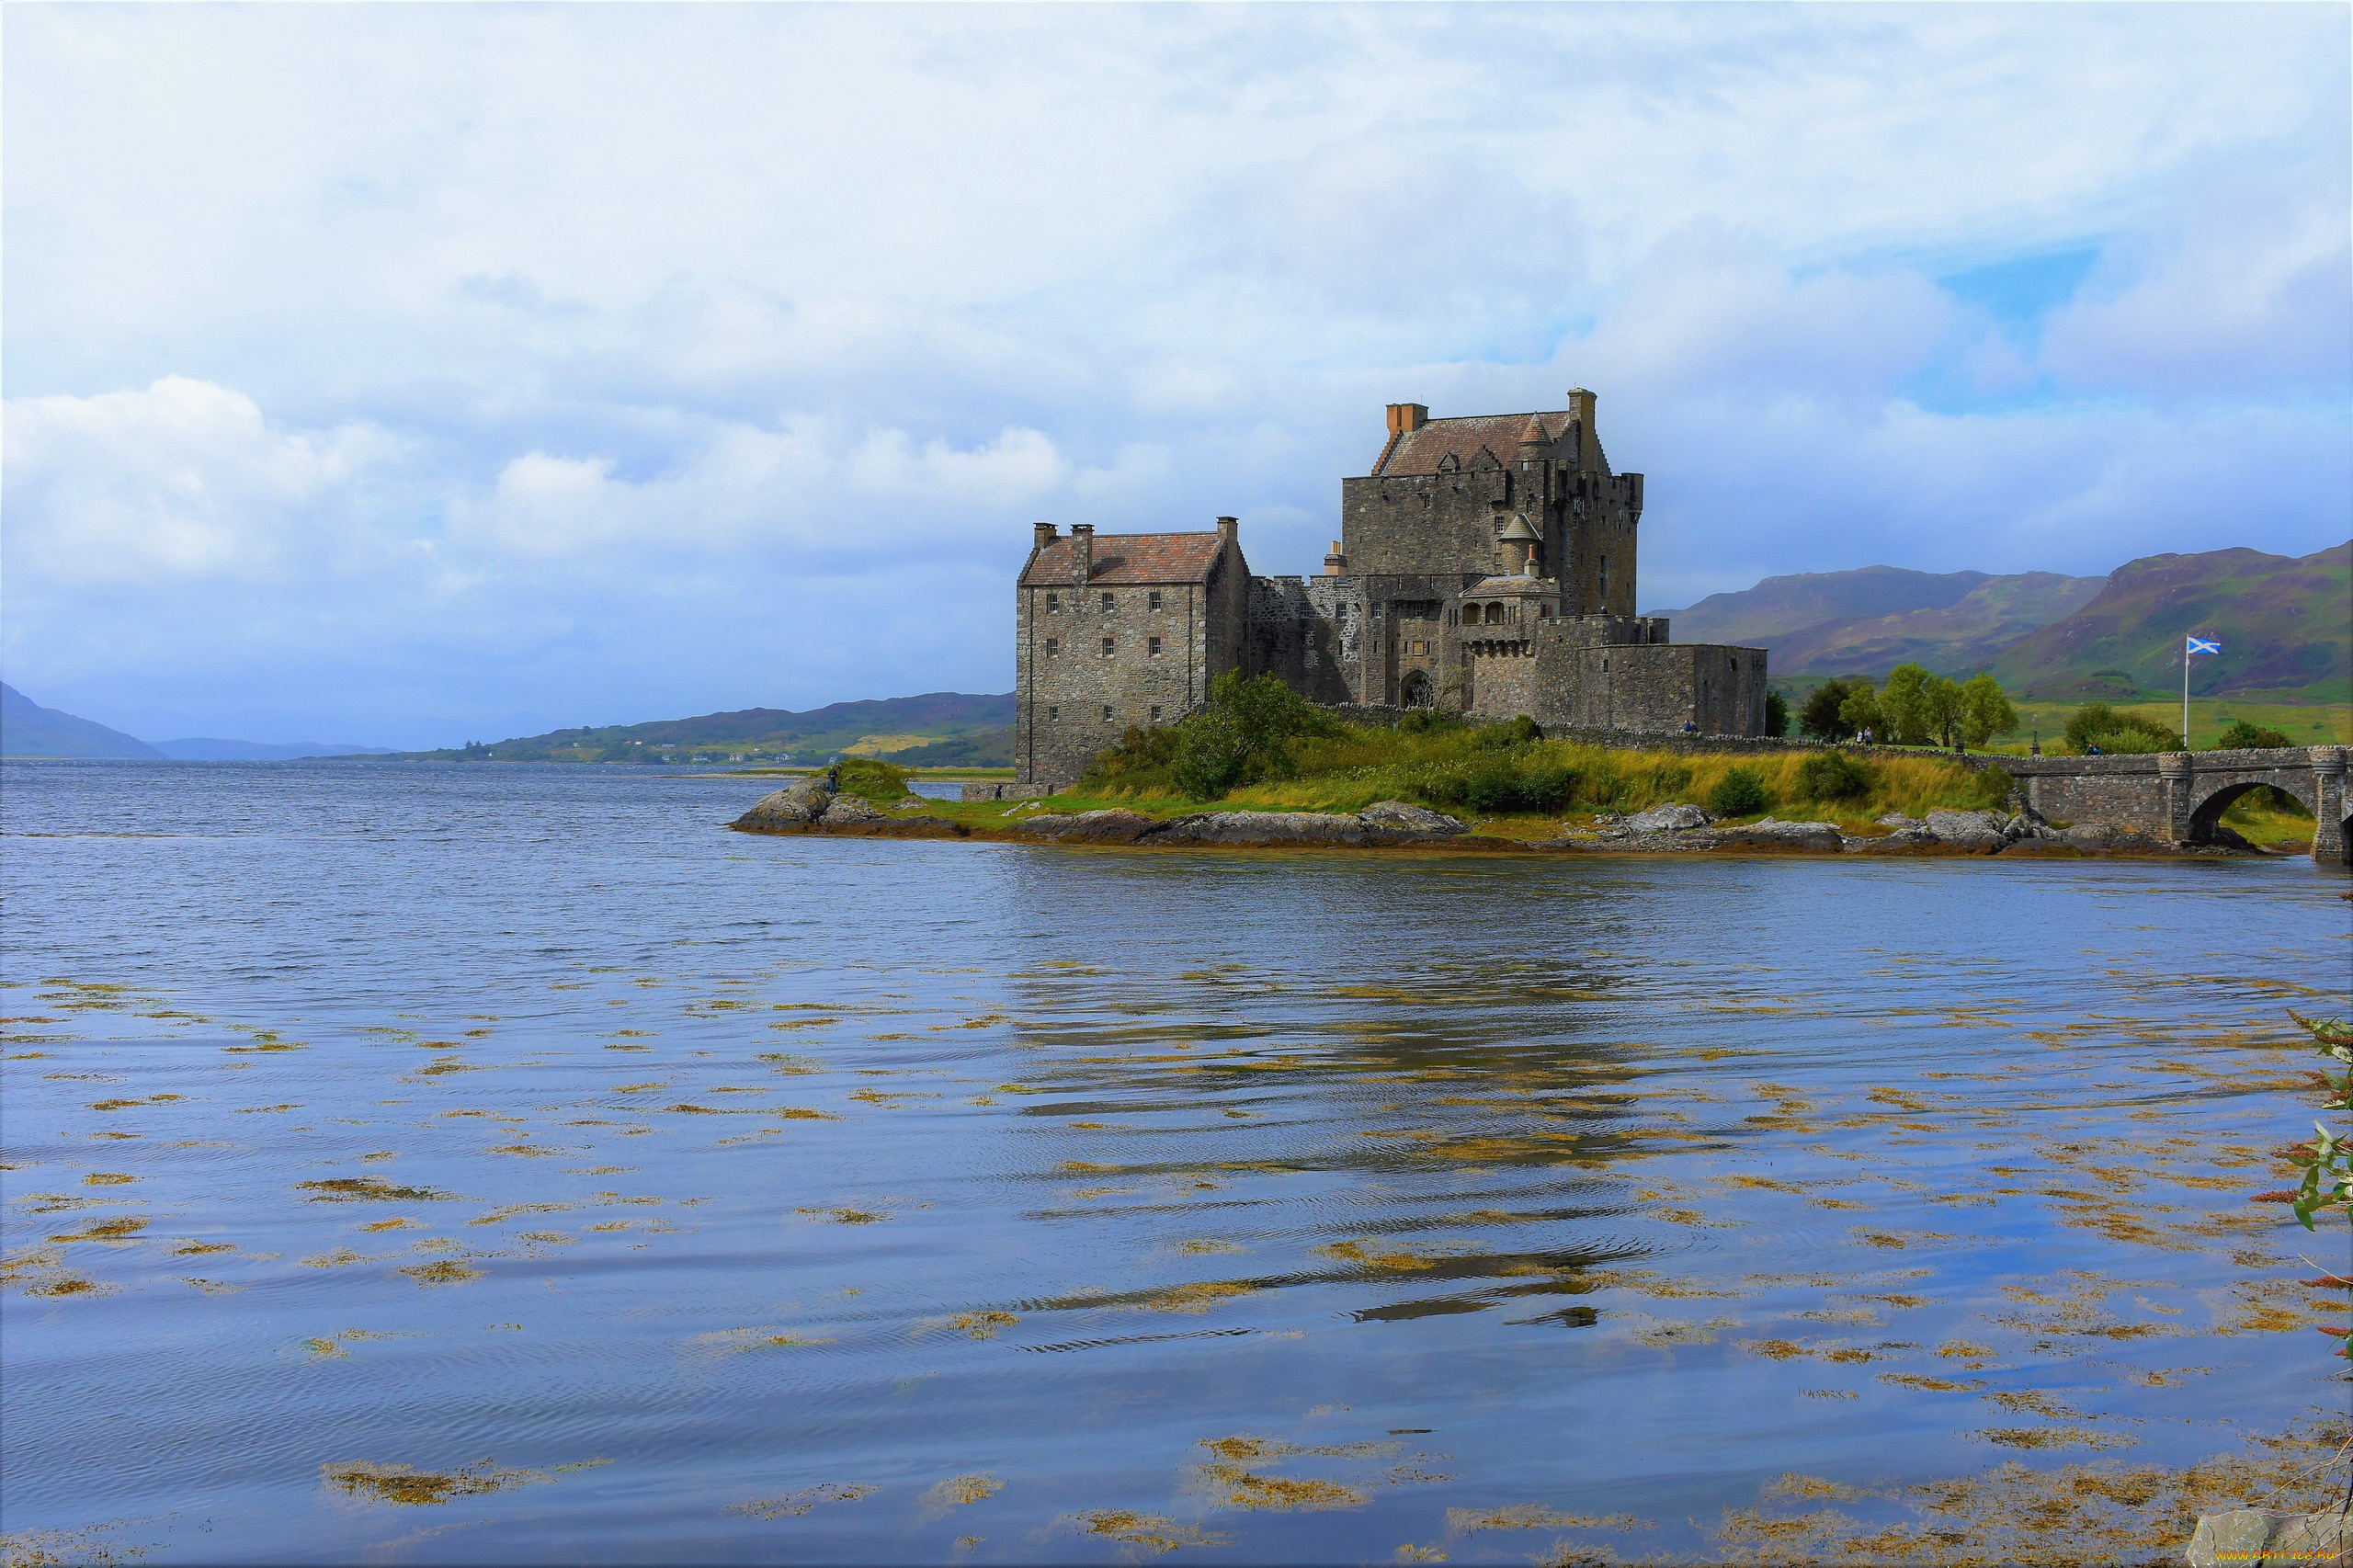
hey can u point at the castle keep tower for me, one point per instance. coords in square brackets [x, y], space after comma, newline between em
[1487, 565]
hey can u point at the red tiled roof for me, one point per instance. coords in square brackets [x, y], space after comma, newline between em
[1127, 558]
[1420, 451]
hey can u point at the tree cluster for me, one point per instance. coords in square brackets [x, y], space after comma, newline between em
[1915, 708]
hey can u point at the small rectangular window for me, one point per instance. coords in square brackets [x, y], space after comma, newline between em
[1053, 604]
[1155, 712]
[1107, 647]
[1053, 646]
[1107, 604]
[1052, 713]
[1152, 647]
[1152, 599]
[1106, 713]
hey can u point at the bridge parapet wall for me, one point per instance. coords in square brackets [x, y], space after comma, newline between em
[2176, 796]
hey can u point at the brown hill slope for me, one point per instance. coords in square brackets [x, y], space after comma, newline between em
[1959, 639]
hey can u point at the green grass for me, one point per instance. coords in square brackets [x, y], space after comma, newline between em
[2305, 723]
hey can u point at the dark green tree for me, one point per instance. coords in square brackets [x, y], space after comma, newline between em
[1777, 713]
[1820, 717]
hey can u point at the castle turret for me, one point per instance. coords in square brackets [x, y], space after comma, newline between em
[1516, 546]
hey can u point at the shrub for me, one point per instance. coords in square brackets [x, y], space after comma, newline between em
[2097, 724]
[1519, 731]
[1140, 762]
[1497, 787]
[2243, 736]
[1739, 793]
[1214, 754]
[1777, 713]
[872, 780]
[1991, 789]
[1831, 775]
[1428, 721]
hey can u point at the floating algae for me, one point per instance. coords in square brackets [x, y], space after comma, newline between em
[405, 1485]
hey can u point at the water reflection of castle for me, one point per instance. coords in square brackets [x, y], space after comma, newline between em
[1486, 565]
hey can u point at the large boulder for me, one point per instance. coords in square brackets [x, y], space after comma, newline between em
[1400, 817]
[1109, 826]
[850, 811]
[1268, 827]
[803, 799]
[1903, 841]
[1820, 836]
[1675, 818]
[1975, 829]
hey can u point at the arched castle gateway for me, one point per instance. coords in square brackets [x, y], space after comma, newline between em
[1487, 565]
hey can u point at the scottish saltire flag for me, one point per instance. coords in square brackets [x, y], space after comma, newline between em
[2198, 645]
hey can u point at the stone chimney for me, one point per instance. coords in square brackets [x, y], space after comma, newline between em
[1404, 419]
[1229, 530]
[1334, 563]
[1082, 535]
[1042, 534]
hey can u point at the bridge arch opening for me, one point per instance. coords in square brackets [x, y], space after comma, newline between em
[2206, 817]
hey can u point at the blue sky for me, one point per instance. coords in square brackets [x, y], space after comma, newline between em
[404, 374]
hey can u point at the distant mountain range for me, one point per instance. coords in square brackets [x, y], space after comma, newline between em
[951, 728]
[28, 729]
[2285, 623]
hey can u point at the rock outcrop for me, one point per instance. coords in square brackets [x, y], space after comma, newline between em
[803, 799]
[2269, 1535]
[1675, 818]
[1391, 822]
[848, 811]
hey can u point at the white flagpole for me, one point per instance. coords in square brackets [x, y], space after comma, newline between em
[2184, 690]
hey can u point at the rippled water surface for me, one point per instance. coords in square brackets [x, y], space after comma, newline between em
[509, 1165]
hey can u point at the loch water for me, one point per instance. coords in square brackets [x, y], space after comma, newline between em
[504, 1163]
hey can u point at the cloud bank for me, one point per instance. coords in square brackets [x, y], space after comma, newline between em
[420, 373]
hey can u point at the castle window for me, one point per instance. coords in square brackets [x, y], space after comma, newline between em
[1152, 599]
[1604, 575]
[1152, 647]
[1053, 646]
[1155, 712]
[1495, 615]
[1107, 647]
[1052, 713]
[1106, 713]
[1543, 613]
[1107, 604]
[1053, 604]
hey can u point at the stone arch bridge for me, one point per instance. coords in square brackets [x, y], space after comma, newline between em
[2180, 796]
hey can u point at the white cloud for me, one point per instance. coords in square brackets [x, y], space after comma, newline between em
[384, 367]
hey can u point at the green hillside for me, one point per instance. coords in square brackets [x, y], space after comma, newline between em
[888, 726]
[26, 729]
[2285, 624]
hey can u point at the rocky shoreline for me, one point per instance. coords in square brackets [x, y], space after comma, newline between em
[806, 807]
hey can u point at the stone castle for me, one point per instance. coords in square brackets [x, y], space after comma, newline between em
[1487, 565]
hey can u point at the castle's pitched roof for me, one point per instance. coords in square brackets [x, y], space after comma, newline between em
[1425, 450]
[1127, 558]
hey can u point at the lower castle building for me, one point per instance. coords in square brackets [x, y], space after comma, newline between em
[1486, 566]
